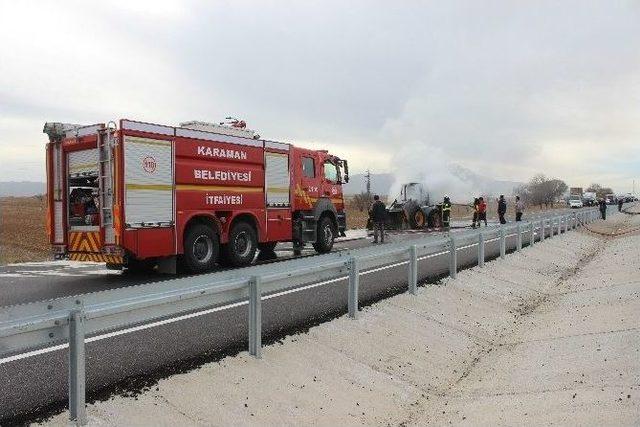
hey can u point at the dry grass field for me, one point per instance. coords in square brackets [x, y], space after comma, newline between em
[22, 230]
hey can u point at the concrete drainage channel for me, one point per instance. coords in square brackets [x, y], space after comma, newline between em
[390, 273]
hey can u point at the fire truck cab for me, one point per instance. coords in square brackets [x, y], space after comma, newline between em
[136, 194]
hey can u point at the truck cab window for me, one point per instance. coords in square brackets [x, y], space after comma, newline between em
[308, 167]
[331, 172]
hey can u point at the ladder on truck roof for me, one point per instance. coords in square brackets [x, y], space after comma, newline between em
[106, 141]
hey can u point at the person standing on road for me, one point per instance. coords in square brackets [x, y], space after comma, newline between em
[519, 208]
[482, 211]
[378, 213]
[476, 206]
[620, 202]
[502, 209]
[603, 208]
[446, 213]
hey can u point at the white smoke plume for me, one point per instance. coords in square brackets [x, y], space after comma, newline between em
[432, 167]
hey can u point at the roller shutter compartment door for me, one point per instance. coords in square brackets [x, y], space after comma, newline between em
[148, 182]
[277, 181]
[83, 163]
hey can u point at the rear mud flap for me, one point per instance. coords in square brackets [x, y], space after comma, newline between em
[167, 265]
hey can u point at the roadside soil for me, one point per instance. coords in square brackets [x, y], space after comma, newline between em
[23, 237]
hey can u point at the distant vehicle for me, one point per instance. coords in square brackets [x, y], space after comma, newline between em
[626, 197]
[575, 197]
[589, 198]
[575, 201]
[610, 199]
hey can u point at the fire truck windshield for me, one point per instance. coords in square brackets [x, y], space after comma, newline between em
[331, 172]
[336, 170]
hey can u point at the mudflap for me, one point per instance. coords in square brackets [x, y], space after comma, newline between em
[168, 265]
[342, 224]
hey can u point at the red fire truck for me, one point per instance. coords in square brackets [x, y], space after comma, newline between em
[136, 194]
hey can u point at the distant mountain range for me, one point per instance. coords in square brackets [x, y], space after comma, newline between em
[21, 188]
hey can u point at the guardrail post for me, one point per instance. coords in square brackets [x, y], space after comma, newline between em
[566, 224]
[255, 317]
[354, 281]
[503, 243]
[453, 258]
[413, 269]
[77, 377]
[480, 249]
[574, 221]
[559, 225]
[519, 237]
[532, 236]
[542, 231]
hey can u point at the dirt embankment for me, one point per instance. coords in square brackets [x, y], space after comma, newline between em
[22, 230]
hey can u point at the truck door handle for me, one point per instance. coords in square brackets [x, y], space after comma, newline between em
[305, 188]
[326, 193]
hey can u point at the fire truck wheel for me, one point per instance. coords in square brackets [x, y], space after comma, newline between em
[201, 248]
[326, 235]
[242, 245]
[267, 247]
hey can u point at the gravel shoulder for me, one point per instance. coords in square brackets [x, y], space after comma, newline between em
[550, 335]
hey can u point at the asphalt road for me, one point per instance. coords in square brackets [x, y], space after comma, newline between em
[37, 384]
[38, 281]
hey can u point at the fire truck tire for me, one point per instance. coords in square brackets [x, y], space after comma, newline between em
[242, 245]
[267, 246]
[326, 235]
[201, 248]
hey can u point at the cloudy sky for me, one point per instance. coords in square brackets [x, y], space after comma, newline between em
[504, 88]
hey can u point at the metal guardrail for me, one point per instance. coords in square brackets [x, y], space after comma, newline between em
[73, 319]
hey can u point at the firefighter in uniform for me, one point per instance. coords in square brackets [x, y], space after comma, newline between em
[446, 213]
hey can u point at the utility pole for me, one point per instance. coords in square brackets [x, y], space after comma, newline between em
[368, 181]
